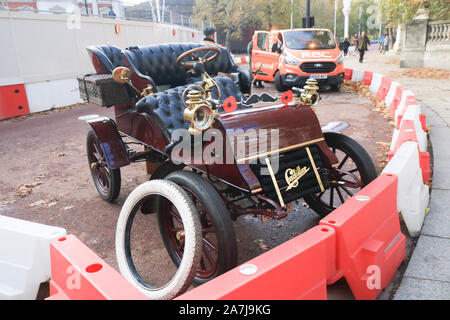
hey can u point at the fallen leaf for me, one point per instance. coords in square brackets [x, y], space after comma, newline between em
[37, 203]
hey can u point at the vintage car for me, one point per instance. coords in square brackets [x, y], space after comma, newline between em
[163, 95]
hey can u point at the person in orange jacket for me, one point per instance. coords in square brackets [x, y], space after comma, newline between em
[210, 35]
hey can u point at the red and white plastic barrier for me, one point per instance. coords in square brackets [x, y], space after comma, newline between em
[79, 274]
[24, 257]
[375, 83]
[357, 75]
[370, 245]
[361, 241]
[412, 194]
[242, 60]
[296, 269]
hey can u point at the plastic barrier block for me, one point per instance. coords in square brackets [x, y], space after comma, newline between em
[358, 75]
[376, 82]
[398, 95]
[412, 194]
[384, 87]
[24, 257]
[391, 93]
[13, 101]
[408, 99]
[407, 133]
[79, 274]
[367, 78]
[423, 121]
[369, 243]
[348, 74]
[56, 293]
[296, 269]
[413, 114]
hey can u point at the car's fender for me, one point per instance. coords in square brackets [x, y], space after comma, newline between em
[111, 142]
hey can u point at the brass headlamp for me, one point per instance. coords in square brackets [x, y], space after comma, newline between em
[308, 95]
[198, 112]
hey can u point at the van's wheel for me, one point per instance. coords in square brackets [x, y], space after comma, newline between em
[355, 170]
[279, 82]
[106, 180]
[189, 235]
[219, 245]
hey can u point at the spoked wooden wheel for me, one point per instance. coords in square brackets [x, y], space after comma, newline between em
[355, 171]
[218, 244]
[106, 180]
[189, 236]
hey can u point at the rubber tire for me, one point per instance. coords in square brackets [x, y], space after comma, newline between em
[219, 215]
[357, 153]
[184, 276]
[279, 82]
[114, 174]
[335, 87]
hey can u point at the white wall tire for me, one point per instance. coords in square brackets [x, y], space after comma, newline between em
[184, 276]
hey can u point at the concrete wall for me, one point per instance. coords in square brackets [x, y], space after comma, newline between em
[427, 44]
[47, 51]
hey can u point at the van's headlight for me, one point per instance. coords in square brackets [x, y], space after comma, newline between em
[291, 60]
[340, 59]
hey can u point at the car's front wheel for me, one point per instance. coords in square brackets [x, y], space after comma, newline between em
[354, 171]
[133, 232]
[218, 244]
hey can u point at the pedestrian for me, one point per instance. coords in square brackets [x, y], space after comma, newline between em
[386, 42]
[355, 43]
[210, 35]
[363, 45]
[345, 46]
[256, 83]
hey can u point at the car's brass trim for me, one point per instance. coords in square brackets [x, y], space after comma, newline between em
[269, 153]
[315, 169]
[274, 180]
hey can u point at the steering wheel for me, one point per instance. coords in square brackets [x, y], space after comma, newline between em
[193, 53]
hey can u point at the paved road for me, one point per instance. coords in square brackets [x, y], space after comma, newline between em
[50, 149]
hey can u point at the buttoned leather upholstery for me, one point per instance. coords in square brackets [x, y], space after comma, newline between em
[166, 107]
[158, 63]
[110, 56]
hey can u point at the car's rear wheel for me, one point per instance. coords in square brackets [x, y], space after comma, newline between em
[106, 180]
[355, 170]
[219, 245]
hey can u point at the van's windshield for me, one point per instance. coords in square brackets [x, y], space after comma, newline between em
[309, 40]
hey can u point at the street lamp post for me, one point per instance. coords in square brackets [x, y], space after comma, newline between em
[335, 14]
[308, 13]
[346, 11]
[292, 14]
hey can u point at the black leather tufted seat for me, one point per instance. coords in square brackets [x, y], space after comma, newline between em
[166, 108]
[157, 63]
[109, 56]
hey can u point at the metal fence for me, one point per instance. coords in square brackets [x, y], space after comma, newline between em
[154, 10]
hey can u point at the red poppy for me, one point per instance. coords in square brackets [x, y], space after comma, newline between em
[287, 96]
[230, 104]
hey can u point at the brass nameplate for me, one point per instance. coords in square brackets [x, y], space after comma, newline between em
[293, 175]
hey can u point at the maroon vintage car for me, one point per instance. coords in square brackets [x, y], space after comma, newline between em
[161, 92]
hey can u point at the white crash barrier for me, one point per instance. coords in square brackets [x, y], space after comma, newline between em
[402, 105]
[376, 82]
[412, 194]
[412, 113]
[358, 75]
[24, 257]
[391, 93]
